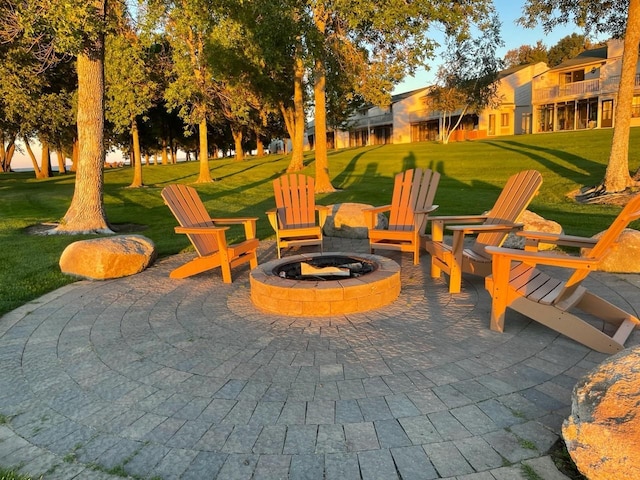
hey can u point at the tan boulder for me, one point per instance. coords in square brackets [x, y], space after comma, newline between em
[346, 220]
[109, 257]
[603, 432]
[623, 258]
[533, 223]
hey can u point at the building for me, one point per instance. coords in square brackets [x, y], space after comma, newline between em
[580, 93]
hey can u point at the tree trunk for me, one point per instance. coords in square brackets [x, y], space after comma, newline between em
[86, 213]
[165, 157]
[259, 146]
[323, 181]
[617, 178]
[205, 174]
[45, 161]
[137, 157]
[296, 127]
[6, 152]
[62, 167]
[34, 162]
[237, 141]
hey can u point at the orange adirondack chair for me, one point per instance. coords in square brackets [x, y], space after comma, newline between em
[517, 283]
[294, 218]
[411, 203]
[207, 236]
[491, 228]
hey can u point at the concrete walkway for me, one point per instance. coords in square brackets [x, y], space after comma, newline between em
[158, 378]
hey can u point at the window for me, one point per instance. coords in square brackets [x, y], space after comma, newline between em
[635, 106]
[504, 120]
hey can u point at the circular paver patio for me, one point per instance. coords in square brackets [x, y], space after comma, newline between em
[155, 377]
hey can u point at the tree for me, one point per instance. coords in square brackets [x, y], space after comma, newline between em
[467, 78]
[566, 48]
[621, 20]
[390, 41]
[131, 91]
[526, 54]
[57, 30]
[192, 87]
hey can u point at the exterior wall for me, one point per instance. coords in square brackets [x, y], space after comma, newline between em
[585, 103]
[404, 114]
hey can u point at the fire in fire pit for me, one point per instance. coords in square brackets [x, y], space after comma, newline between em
[325, 267]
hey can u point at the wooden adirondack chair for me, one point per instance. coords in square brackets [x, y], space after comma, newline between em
[294, 218]
[411, 203]
[491, 229]
[517, 283]
[207, 236]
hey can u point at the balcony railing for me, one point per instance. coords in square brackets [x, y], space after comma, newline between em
[612, 82]
[573, 89]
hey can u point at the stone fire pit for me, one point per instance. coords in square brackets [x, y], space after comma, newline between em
[324, 284]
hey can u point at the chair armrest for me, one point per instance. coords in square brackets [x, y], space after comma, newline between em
[199, 230]
[272, 216]
[533, 238]
[547, 258]
[459, 218]
[323, 211]
[248, 222]
[496, 227]
[370, 215]
[373, 210]
[438, 223]
[432, 208]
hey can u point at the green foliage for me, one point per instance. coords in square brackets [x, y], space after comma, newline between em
[473, 175]
[594, 17]
[566, 48]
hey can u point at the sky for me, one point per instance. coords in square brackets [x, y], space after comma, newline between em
[513, 36]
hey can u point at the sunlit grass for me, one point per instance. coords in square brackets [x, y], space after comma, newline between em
[473, 175]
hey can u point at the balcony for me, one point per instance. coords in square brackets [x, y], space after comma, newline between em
[574, 89]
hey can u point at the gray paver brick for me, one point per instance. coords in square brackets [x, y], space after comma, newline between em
[238, 467]
[306, 467]
[348, 411]
[270, 440]
[401, 406]
[272, 467]
[242, 439]
[330, 439]
[321, 412]
[339, 466]
[377, 465]
[374, 408]
[293, 413]
[145, 459]
[447, 426]
[391, 434]
[479, 453]
[420, 430]
[204, 465]
[360, 436]
[447, 459]
[413, 464]
[300, 439]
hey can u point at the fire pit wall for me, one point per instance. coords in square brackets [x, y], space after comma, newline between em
[317, 298]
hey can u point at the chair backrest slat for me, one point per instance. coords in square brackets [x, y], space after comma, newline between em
[295, 201]
[186, 205]
[513, 200]
[413, 190]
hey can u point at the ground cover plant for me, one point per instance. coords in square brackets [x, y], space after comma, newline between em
[473, 175]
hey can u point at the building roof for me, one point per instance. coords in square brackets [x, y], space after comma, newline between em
[401, 96]
[596, 55]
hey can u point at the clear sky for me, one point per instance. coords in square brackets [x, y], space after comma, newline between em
[513, 36]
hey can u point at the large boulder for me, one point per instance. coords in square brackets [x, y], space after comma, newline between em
[625, 257]
[533, 223]
[603, 432]
[109, 257]
[346, 220]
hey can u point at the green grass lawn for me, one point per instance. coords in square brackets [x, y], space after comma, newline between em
[473, 175]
